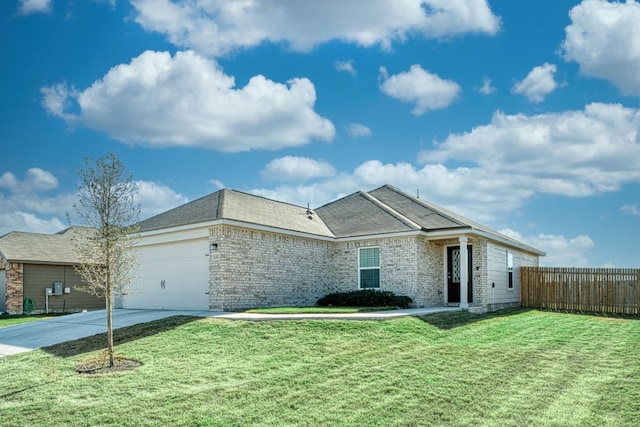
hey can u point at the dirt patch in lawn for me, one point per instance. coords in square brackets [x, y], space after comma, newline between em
[99, 365]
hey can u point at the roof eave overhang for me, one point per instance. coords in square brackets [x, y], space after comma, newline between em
[41, 262]
[377, 236]
[459, 231]
[235, 223]
[511, 243]
[438, 234]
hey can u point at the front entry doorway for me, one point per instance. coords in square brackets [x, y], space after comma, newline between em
[453, 275]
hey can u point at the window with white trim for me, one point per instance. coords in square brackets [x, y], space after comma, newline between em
[369, 268]
[509, 271]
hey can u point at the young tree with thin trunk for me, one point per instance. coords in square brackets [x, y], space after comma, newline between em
[106, 204]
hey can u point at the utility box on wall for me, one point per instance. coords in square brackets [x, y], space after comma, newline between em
[57, 288]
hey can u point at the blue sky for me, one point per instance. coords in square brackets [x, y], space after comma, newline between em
[523, 116]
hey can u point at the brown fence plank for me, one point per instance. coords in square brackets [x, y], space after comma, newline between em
[605, 290]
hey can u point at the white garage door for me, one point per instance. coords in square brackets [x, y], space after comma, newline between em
[171, 276]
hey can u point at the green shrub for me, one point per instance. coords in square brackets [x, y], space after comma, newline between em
[365, 298]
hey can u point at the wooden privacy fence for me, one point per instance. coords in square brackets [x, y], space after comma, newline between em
[604, 290]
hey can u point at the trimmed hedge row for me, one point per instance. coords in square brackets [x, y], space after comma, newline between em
[365, 298]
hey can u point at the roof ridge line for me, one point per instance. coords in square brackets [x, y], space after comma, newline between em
[269, 199]
[392, 211]
[220, 207]
[450, 215]
[464, 221]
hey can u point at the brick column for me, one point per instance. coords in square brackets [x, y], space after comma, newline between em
[15, 288]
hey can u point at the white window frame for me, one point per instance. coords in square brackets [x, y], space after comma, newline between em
[360, 269]
[510, 285]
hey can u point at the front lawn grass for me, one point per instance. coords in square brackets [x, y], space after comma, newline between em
[11, 320]
[513, 368]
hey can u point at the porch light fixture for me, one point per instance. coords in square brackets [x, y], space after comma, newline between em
[214, 246]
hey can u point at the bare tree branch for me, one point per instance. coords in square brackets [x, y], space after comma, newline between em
[106, 204]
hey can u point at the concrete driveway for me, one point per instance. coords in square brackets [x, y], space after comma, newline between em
[43, 333]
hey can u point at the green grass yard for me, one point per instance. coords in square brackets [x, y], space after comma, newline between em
[9, 320]
[514, 368]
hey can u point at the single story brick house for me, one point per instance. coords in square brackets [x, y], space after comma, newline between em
[232, 250]
[33, 262]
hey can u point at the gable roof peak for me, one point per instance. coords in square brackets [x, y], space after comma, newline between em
[234, 205]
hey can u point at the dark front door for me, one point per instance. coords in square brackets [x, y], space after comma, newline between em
[453, 274]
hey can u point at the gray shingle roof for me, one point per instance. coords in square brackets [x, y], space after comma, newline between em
[19, 246]
[204, 209]
[358, 215]
[381, 211]
[238, 206]
[427, 215]
[388, 209]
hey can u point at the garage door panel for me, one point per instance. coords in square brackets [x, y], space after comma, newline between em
[172, 276]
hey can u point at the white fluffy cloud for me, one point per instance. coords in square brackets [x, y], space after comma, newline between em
[538, 83]
[487, 88]
[296, 169]
[357, 130]
[187, 100]
[217, 183]
[475, 193]
[218, 27]
[55, 100]
[480, 196]
[24, 221]
[28, 205]
[630, 210]
[603, 38]
[155, 198]
[346, 66]
[574, 153]
[36, 180]
[8, 180]
[561, 251]
[26, 7]
[417, 86]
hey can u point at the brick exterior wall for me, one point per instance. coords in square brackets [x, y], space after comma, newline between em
[429, 287]
[15, 281]
[478, 274]
[250, 268]
[398, 264]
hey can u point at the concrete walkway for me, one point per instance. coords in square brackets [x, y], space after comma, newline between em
[30, 336]
[371, 315]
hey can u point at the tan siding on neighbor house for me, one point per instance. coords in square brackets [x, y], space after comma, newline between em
[37, 277]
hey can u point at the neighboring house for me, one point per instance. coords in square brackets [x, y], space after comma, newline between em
[231, 250]
[33, 262]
